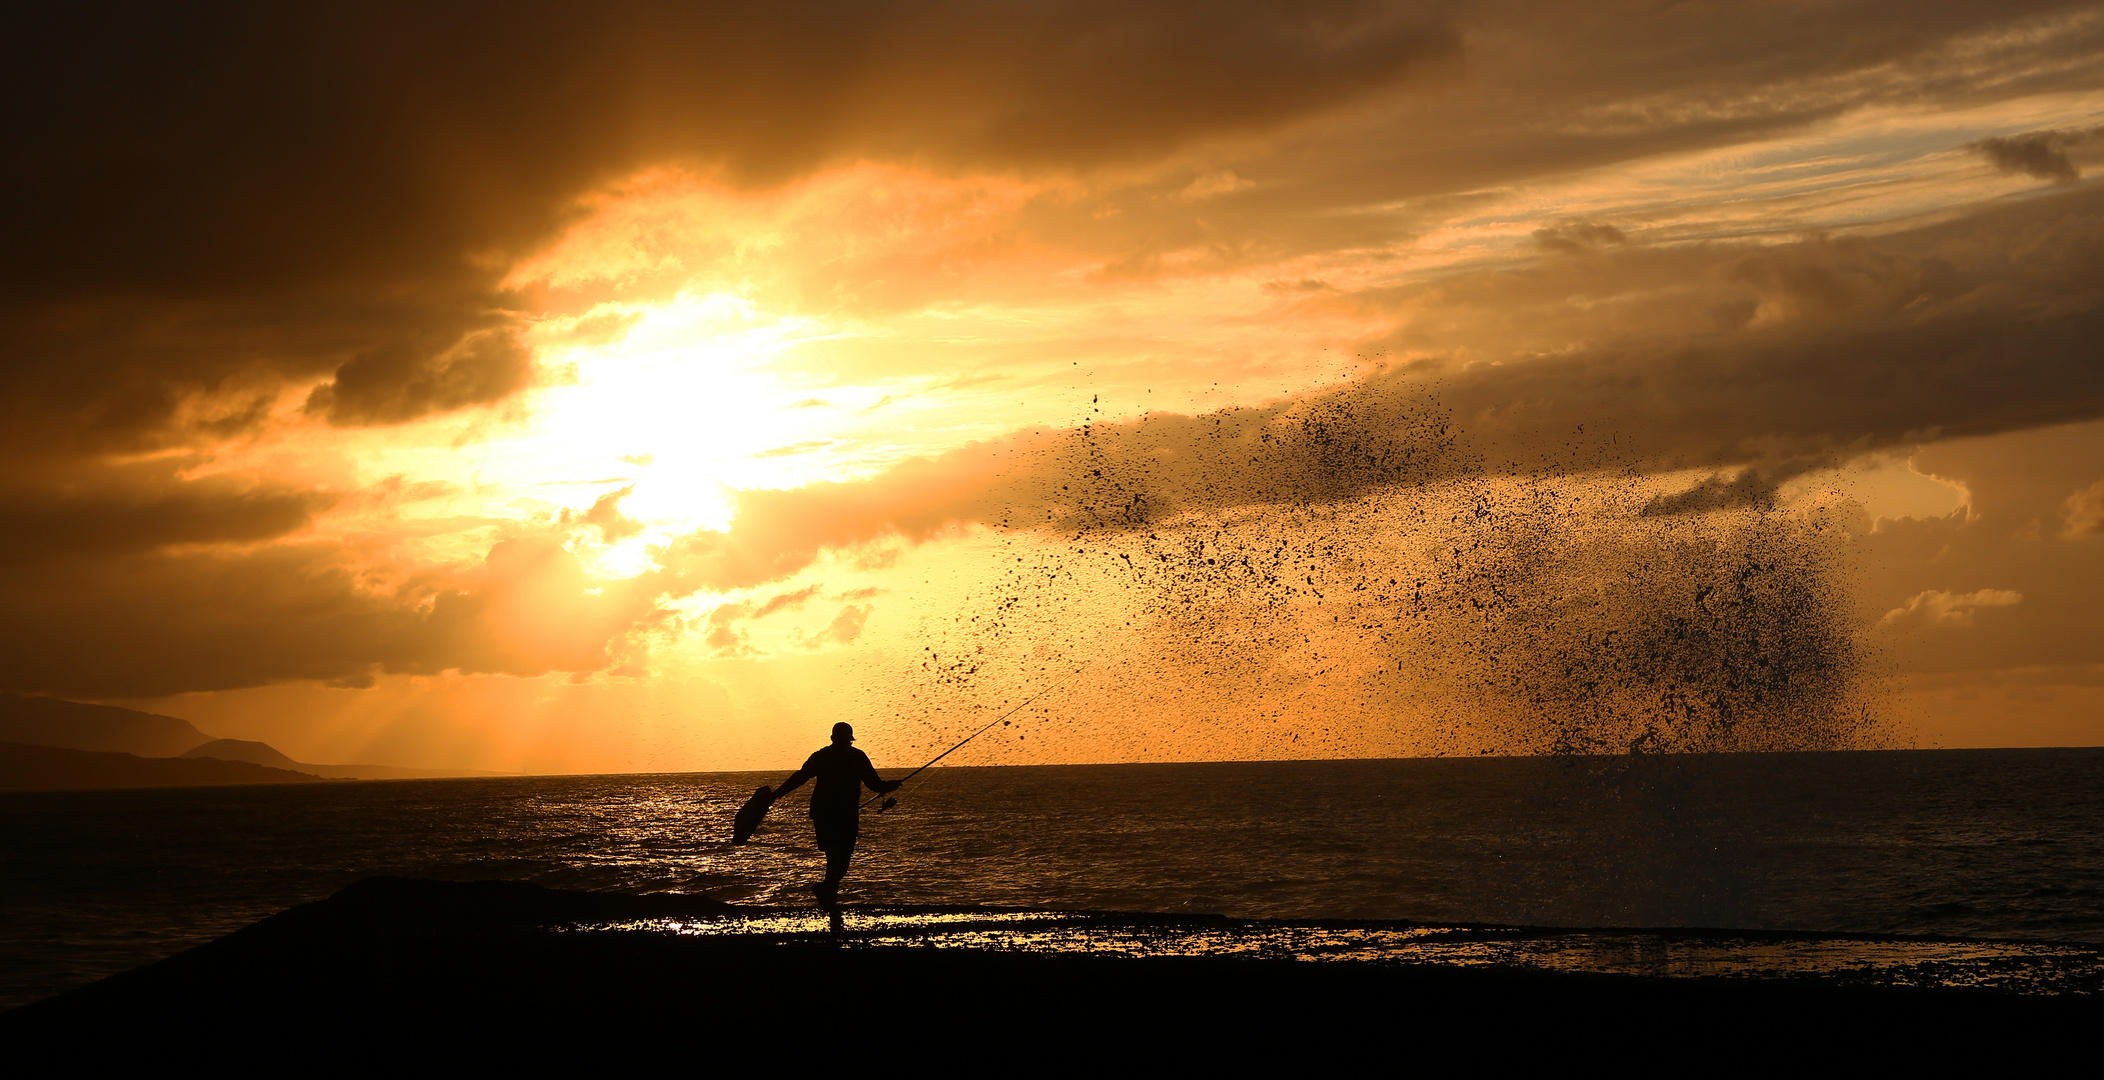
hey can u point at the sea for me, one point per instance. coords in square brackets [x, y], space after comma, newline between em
[1993, 845]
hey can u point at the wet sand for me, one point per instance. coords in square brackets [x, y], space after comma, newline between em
[501, 969]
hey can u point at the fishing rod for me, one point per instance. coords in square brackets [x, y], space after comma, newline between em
[889, 803]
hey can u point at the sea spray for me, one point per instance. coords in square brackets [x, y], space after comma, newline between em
[1349, 576]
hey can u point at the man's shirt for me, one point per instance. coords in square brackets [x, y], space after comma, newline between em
[841, 770]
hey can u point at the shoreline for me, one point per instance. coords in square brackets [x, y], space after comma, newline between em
[49, 769]
[448, 965]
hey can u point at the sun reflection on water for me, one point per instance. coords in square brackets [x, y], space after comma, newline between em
[2013, 967]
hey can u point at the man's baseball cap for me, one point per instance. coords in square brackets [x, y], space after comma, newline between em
[843, 732]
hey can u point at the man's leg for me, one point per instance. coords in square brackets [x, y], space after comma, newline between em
[836, 869]
[827, 841]
[837, 840]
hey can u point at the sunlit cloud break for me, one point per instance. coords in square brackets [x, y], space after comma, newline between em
[638, 388]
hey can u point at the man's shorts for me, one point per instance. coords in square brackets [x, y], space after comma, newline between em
[837, 834]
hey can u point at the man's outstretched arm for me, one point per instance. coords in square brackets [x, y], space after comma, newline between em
[877, 783]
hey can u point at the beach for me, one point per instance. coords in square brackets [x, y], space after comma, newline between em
[504, 970]
[1779, 908]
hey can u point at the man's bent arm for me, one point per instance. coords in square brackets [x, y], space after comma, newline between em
[796, 780]
[877, 783]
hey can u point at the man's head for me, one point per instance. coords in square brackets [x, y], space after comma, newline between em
[843, 732]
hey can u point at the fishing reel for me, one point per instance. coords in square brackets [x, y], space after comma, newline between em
[886, 805]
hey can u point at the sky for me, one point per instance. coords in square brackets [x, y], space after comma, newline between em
[645, 386]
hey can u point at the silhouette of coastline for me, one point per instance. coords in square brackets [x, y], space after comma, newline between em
[107, 729]
[497, 969]
[265, 754]
[74, 725]
[46, 768]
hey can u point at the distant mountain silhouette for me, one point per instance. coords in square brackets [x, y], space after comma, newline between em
[42, 721]
[25, 768]
[255, 753]
[265, 754]
[73, 725]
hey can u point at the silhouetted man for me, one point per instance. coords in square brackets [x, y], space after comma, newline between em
[836, 804]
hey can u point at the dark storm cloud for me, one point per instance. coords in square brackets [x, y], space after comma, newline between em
[259, 188]
[204, 204]
[142, 509]
[2042, 154]
[1541, 90]
[1750, 488]
[212, 199]
[1550, 89]
[302, 191]
[158, 623]
[1982, 325]
[1832, 349]
[124, 370]
[402, 381]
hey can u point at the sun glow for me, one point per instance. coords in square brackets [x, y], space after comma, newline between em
[697, 340]
[686, 403]
[694, 344]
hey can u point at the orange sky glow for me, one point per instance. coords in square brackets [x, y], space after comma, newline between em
[764, 408]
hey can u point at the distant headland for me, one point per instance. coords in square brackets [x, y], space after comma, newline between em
[54, 744]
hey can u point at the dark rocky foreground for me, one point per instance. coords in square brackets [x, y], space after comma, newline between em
[393, 969]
